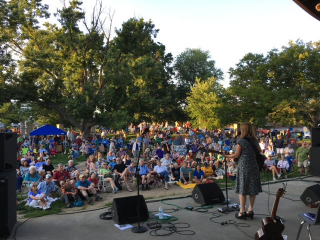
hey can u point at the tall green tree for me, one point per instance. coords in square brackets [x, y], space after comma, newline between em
[192, 64]
[251, 96]
[206, 104]
[76, 69]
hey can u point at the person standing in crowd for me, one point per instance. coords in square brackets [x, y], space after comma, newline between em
[248, 176]
[279, 144]
[303, 155]
[136, 150]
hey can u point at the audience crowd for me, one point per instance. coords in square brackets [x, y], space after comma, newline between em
[159, 154]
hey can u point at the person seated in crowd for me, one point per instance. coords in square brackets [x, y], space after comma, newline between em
[226, 148]
[72, 170]
[110, 156]
[48, 167]
[24, 168]
[122, 172]
[29, 158]
[69, 192]
[147, 154]
[40, 163]
[32, 175]
[269, 152]
[271, 166]
[36, 197]
[61, 175]
[167, 162]
[94, 166]
[289, 154]
[113, 163]
[232, 171]
[192, 163]
[175, 155]
[190, 154]
[86, 189]
[283, 166]
[213, 167]
[198, 175]
[127, 160]
[159, 152]
[42, 174]
[107, 176]
[93, 179]
[180, 160]
[43, 151]
[219, 161]
[99, 161]
[175, 172]
[47, 186]
[208, 171]
[145, 175]
[121, 153]
[185, 174]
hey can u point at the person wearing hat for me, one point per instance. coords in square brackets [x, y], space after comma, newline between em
[48, 187]
[190, 154]
[86, 189]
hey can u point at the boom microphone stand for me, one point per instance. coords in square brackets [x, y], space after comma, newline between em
[139, 229]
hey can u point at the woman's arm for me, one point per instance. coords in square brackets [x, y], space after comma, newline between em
[236, 154]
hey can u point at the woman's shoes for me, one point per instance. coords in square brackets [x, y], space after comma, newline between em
[250, 214]
[241, 215]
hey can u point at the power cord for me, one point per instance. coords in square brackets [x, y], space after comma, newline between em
[167, 229]
[234, 223]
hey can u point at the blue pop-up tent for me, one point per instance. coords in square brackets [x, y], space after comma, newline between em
[47, 130]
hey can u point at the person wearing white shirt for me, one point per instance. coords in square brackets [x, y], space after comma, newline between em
[283, 165]
[271, 166]
[161, 171]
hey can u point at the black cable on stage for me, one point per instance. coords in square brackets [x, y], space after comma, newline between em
[234, 223]
[15, 231]
[167, 229]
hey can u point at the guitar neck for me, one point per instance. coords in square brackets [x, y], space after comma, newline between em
[275, 205]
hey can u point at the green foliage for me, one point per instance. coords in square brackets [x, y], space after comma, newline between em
[206, 105]
[192, 64]
[78, 74]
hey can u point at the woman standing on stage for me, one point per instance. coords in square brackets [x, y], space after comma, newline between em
[248, 175]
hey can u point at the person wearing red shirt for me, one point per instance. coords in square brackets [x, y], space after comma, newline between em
[93, 178]
[61, 175]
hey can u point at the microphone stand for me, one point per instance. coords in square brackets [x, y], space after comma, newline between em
[226, 209]
[138, 229]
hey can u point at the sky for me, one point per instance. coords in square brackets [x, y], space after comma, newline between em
[227, 29]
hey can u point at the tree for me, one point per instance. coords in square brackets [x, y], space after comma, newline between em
[296, 79]
[77, 70]
[192, 64]
[251, 96]
[206, 106]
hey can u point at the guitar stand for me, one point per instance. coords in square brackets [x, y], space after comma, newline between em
[308, 228]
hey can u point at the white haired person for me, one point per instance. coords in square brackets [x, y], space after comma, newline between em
[72, 170]
[32, 175]
[37, 198]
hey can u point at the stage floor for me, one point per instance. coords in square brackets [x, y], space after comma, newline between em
[88, 225]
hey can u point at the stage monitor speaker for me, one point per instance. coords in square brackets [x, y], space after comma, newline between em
[8, 151]
[311, 195]
[310, 6]
[125, 210]
[315, 137]
[8, 202]
[315, 161]
[209, 193]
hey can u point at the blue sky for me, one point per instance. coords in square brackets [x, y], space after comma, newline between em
[227, 29]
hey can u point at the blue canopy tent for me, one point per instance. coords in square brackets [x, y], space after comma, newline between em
[47, 130]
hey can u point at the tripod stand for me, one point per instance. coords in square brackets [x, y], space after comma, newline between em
[138, 229]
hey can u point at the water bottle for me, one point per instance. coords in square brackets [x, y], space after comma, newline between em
[160, 213]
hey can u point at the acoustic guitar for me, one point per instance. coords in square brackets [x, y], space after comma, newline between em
[272, 226]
